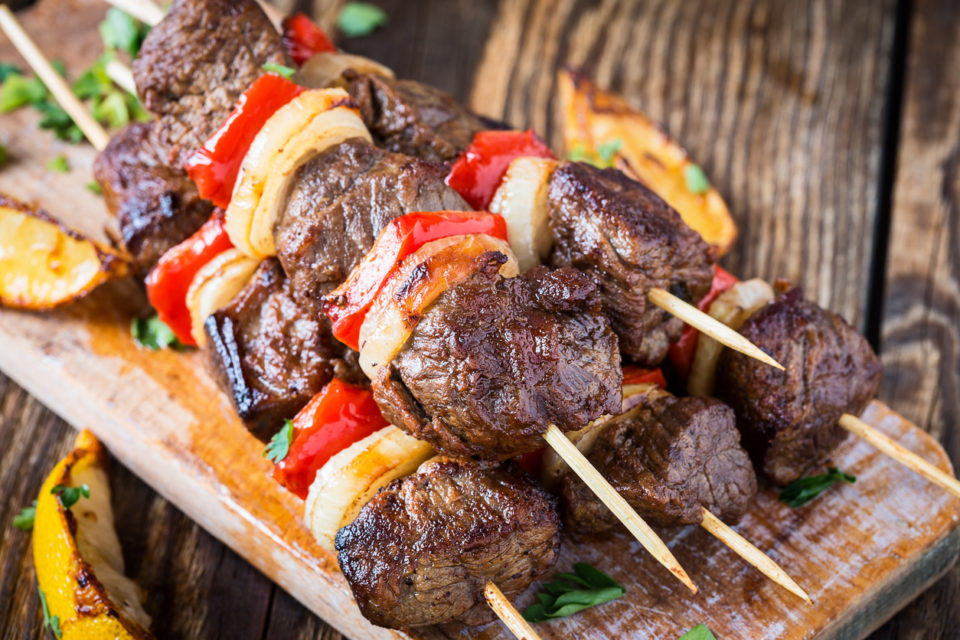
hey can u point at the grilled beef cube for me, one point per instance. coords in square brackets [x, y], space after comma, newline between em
[194, 65]
[272, 352]
[421, 551]
[414, 118]
[341, 201]
[789, 419]
[494, 361]
[669, 458]
[628, 241]
[157, 206]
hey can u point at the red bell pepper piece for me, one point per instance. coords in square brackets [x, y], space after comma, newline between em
[214, 166]
[478, 171]
[303, 38]
[530, 462]
[348, 304]
[168, 282]
[334, 419]
[681, 352]
[636, 375]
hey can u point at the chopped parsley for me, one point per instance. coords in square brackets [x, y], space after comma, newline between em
[696, 179]
[280, 443]
[3, 154]
[94, 187]
[602, 158]
[70, 495]
[699, 632]
[358, 19]
[279, 69]
[573, 592]
[122, 32]
[153, 334]
[803, 490]
[60, 164]
[24, 520]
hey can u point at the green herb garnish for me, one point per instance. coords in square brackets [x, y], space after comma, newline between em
[699, 632]
[803, 490]
[60, 164]
[69, 495]
[153, 334]
[58, 121]
[696, 179]
[358, 19]
[19, 91]
[24, 520]
[3, 155]
[280, 443]
[94, 187]
[573, 592]
[607, 150]
[7, 70]
[49, 621]
[602, 158]
[279, 69]
[123, 32]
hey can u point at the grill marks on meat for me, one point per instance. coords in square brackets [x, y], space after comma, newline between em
[341, 201]
[789, 419]
[668, 457]
[194, 65]
[495, 360]
[272, 353]
[421, 551]
[414, 118]
[157, 206]
[628, 241]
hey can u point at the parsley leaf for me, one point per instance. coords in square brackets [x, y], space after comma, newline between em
[696, 179]
[24, 520]
[606, 151]
[94, 81]
[3, 155]
[19, 91]
[48, 620]
[153, 334]
[279, 69]
[70, 495]
[358, 19]
[803, 490]
[60, 164]
[573, 592]
[123, 32]
[699, 632]
[602, 158]
[112, 110]
[94, 187]
[7, 70]
[56, 119]
[280, 443]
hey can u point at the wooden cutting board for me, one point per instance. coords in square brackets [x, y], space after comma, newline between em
[862, 551]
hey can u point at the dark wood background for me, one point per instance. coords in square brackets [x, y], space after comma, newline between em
[832, 129]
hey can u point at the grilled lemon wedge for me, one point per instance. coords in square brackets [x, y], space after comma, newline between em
[77, 552]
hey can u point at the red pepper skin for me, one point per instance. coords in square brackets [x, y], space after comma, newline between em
[303, 38]
[531, 461]
[168, 282]
[478, 171]
[214, 166]
[348, 305]
[681, 352]
[334, 419]
[636, 375]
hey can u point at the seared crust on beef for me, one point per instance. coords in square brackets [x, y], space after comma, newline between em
[669, 458]
[194, 65]
[413, 118]
[271, 354]
[496, 360]
[789, 419]
[341, 201]
[156, 205]
[421, 551]
[628, 241]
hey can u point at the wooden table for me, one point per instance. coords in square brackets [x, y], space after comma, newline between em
[833, 130]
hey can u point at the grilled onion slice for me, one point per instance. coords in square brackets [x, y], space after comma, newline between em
[421, 278]
[215, 285]
[522, 201]
[350, 478]
[301, 129]
[326, 68]
[732, 308]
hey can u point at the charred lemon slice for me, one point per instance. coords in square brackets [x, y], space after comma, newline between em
[77, 552]
[43, 264]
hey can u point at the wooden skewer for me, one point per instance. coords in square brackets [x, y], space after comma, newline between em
[898, 452]
[709, 325]
[743, 548]
[143, 10]
[96, 134]
[508, 614]
[615, 502]
[122, 76]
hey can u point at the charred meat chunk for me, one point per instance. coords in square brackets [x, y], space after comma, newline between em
[628, 241]
[341, 201]
[789, 419]
[669, 458]
[494, 361]
[413, 118]
[271, 353]
[157, 206]
[194, 65]
[421, 551]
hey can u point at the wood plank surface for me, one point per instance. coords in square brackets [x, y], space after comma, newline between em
[784, 111]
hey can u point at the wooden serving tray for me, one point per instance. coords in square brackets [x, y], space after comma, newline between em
[861, 551]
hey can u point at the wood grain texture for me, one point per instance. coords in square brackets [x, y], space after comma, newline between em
[921, 321]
